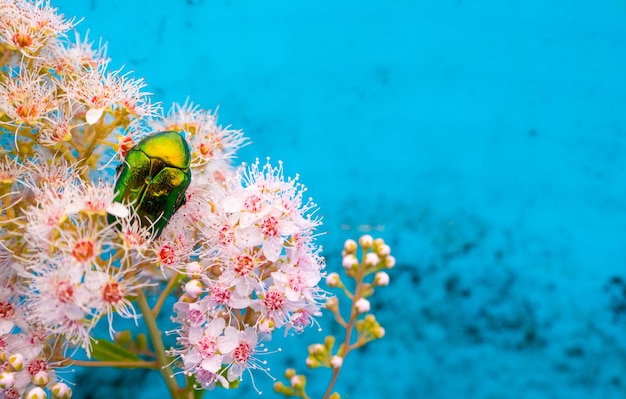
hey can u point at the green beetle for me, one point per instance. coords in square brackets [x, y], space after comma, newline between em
[154, 177]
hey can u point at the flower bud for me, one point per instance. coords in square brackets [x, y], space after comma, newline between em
[349, 261]
[349, 246]
[36, 393]
[7, 380]
[384, 250]
[16, 361]
[366, 241]
[193, 288]
[297, 381]
[316, 349]
[378, 332]
[381, 279]
[41, 378]
[371, 259]
[279, 387]
[390, 262]
[193, 270]
[332, 303]
[333, 280]
[362, 305]
[61, 390]
[289, 373]
[336, 361]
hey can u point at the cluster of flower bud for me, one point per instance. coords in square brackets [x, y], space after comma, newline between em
[296, 387]
[375, 256]
[26, 374]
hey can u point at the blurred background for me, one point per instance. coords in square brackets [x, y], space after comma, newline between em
[483, 140]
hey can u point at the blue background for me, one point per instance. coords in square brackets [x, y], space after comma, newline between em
[484, 140]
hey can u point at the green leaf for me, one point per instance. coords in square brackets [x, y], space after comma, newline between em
[105, 350]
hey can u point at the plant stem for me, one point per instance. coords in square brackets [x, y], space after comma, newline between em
[345, 348]
[159, 348]
[171, 284]
[125, 364]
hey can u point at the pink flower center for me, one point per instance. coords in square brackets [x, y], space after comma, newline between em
[220, 295]
[83, 250]
[225, 235]
[242, 352]
[94, 205]
[6, 310]
[253, 203]
[244, 265]
[269, 226]
[61, 131]
[27, 111]
[207, 346]
[166, 254]
[11, 394]
[133, 239]
[195, 316]
[273, 300]
[113, 292]
[36, 365]
[126, 143]
[296, 282]
[209, 145]
[65, 291]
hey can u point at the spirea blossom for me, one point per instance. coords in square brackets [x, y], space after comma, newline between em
[263, 272]
[239, 252]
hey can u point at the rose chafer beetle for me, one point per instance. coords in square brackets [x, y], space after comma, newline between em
[154, 177]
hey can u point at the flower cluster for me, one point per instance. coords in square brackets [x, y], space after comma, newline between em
[26, 369]
[239, 249]
[259, 273]
[361, 326]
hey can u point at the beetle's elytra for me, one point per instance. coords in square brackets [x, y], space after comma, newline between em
[154, 177]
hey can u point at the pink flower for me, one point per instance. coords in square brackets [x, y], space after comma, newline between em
[240, 349]
[209, 141]
[29, 26]
[203, 344]
[265, 209]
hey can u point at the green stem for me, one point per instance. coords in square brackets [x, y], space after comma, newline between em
[159, 348]
[116, 364]
[345, 347]
[171, 285]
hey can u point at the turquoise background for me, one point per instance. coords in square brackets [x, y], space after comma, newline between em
[483, 140]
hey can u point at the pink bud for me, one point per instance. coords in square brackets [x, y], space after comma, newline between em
[349, 261]
[371, 259]
[381, 279]
[193, 288]
[336, 361]
[333, 280]
[362, 305]
[366, 241]
[349, 246]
